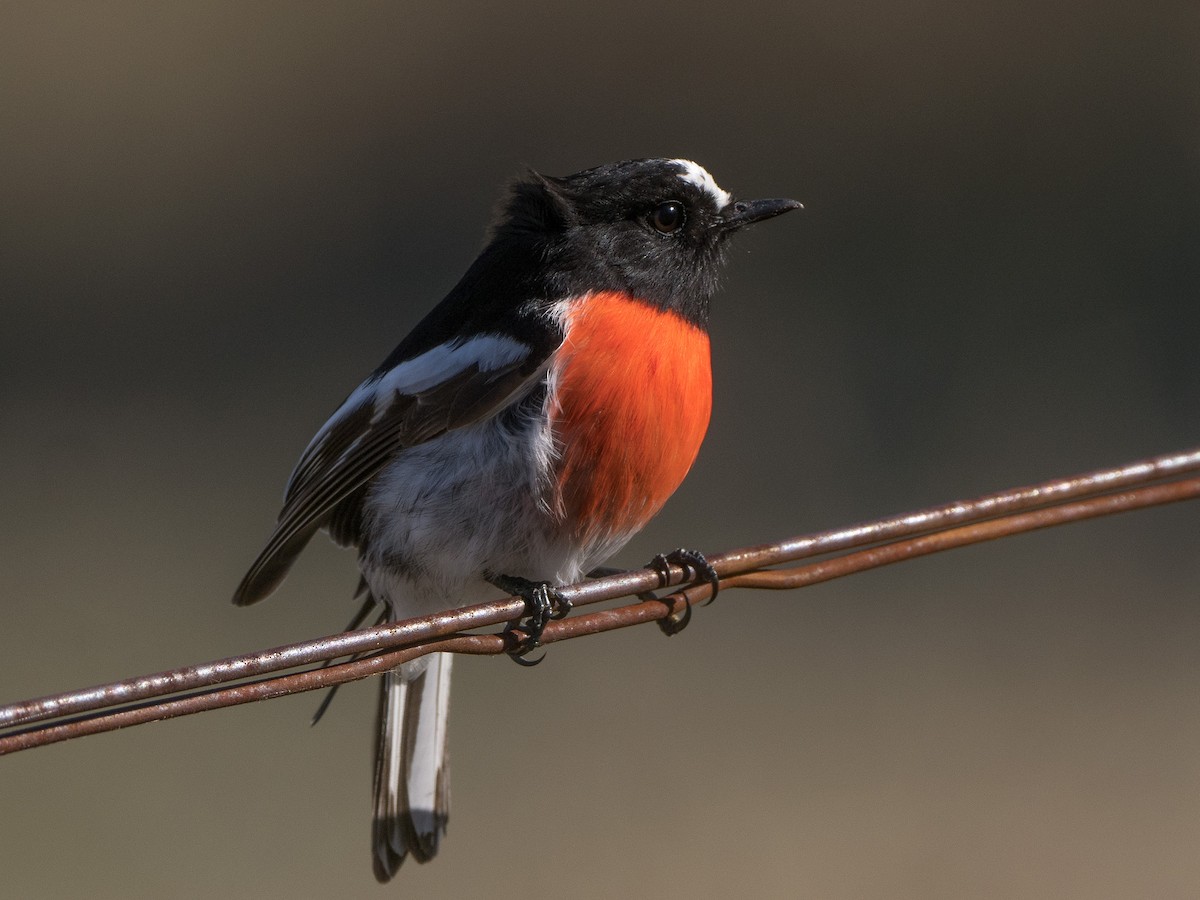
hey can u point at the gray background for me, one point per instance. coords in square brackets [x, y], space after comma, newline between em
[215, 219]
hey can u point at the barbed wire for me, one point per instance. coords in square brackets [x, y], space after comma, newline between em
[248, 678]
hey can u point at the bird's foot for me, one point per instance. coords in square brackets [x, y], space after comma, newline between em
[693, 562]
[543, 602]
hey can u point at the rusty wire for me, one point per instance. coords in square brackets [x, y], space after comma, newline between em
[192, 689]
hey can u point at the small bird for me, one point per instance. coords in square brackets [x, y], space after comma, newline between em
[520, 435]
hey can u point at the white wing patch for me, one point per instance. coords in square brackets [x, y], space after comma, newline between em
[697, 175]
[431, 368]
[489, 351]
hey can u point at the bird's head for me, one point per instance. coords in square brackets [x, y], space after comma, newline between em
[652, 228]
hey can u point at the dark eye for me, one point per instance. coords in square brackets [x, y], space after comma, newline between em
[668, 216]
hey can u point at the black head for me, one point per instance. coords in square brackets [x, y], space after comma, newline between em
[654, 228]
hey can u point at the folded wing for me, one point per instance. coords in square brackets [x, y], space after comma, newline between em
[448, 387]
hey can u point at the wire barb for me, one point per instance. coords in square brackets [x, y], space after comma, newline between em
[256, 676]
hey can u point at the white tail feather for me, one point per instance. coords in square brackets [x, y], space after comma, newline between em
[412, 775]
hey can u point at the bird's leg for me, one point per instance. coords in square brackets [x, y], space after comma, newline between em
[543, 602]
[693, 562]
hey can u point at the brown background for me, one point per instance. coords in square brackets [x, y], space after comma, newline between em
[214, 219]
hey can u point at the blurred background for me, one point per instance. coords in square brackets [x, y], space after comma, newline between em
[216, 218]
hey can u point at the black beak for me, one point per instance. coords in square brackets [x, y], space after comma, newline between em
[744, 212]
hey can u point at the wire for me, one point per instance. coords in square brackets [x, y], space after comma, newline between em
[192, 689]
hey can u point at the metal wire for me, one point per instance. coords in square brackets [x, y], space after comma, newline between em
[28, 724]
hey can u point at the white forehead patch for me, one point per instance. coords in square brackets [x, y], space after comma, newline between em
[696, 174]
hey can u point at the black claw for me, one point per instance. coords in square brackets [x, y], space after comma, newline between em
[562, 606]
[661, 567]
[543, 602]
[526, 645]
[673, 624]
[692, 561]
[669, 626]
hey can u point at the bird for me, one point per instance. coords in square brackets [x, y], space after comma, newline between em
[519, 436]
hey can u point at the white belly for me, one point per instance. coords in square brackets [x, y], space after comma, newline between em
[477, 502]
